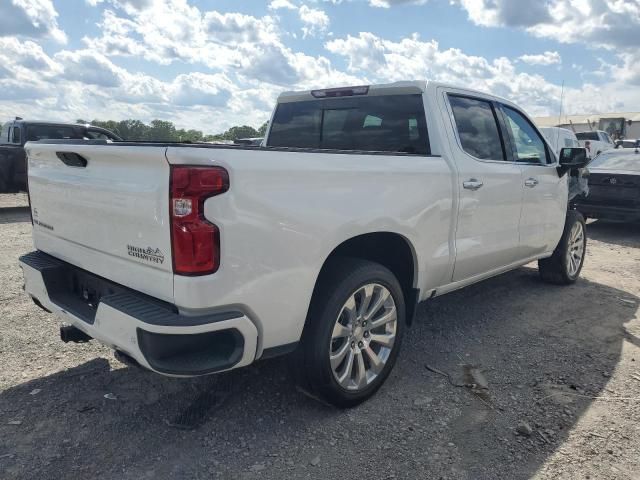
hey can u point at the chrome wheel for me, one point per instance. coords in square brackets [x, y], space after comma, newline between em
[363, 336]
[575, 250]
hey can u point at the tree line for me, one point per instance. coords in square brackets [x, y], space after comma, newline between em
[164, 131]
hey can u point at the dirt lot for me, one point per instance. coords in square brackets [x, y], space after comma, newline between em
[565, 361]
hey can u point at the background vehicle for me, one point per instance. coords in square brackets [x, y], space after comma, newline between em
[560, 138]
[363, 201]
[628, 143]
[14, 134]
[595, 142]
[614, 187]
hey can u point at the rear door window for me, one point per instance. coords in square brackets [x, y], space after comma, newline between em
[477, 126]
[387, 123]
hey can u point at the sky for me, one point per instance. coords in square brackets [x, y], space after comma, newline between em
[209, 65]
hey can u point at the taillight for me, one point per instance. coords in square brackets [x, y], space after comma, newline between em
[195, 241]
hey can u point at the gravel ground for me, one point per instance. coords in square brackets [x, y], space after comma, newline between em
[563, 399]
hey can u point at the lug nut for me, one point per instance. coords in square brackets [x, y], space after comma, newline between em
[364, 323]
[366, 334]
[360, 344]
[353, 344]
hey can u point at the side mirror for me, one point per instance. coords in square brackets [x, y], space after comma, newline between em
[571, 158]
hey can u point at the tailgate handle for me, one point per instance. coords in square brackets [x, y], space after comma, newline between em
[72, 159]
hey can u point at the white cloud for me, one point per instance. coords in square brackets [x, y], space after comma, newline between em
[30, 18]
[493, 13]
[23, 58]
[597, 23]
[411, 58]
[281, 4]
[89, 68]
[391, 3]
[228, 68]
[315, 21]
[545, 59]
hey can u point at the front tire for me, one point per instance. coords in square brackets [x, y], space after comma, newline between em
[353, 333]
[565, 265]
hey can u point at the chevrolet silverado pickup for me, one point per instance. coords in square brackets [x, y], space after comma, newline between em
[14, 135]
[360, 203]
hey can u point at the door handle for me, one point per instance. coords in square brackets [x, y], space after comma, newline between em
[530, 182]
[472, 184]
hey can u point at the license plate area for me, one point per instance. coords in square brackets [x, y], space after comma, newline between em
[77, 291]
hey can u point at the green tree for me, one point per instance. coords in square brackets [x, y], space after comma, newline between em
[164, 131]
[244, 131]
[132, 130]
[161, 131]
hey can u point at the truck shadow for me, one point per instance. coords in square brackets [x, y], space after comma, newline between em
[623, 234]
[14, 215]
[545, 351]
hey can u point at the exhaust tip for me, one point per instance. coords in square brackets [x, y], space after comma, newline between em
[69, 333]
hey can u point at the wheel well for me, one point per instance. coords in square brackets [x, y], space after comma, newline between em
[389, 249]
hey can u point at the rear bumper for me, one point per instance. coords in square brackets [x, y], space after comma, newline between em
[152, 332]
[605, 212]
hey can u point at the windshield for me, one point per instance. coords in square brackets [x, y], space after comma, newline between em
[617, 160]
[587, 136]
[388, 123]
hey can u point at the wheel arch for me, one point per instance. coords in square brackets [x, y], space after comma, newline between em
[392, 250]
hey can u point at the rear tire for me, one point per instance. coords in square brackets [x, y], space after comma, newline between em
[565, 265]
[353, 333]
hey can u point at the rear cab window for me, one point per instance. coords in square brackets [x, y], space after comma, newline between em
[97, 134]
[56, 132]
[587, 136]
[377, 123]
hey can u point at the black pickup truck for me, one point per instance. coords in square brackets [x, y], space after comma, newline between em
[14, 134]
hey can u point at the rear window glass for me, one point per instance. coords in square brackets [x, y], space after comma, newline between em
[617, 160]
[588, 136]
[388, 123]
[47, 132]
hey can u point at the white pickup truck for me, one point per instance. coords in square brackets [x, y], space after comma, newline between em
[595, 141]
[362, 201]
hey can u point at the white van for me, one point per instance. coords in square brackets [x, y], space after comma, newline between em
[560, 138]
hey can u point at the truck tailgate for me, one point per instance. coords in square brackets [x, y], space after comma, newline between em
[110, 216]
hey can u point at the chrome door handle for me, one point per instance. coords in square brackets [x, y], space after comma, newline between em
[530, 182]
[472, 184]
